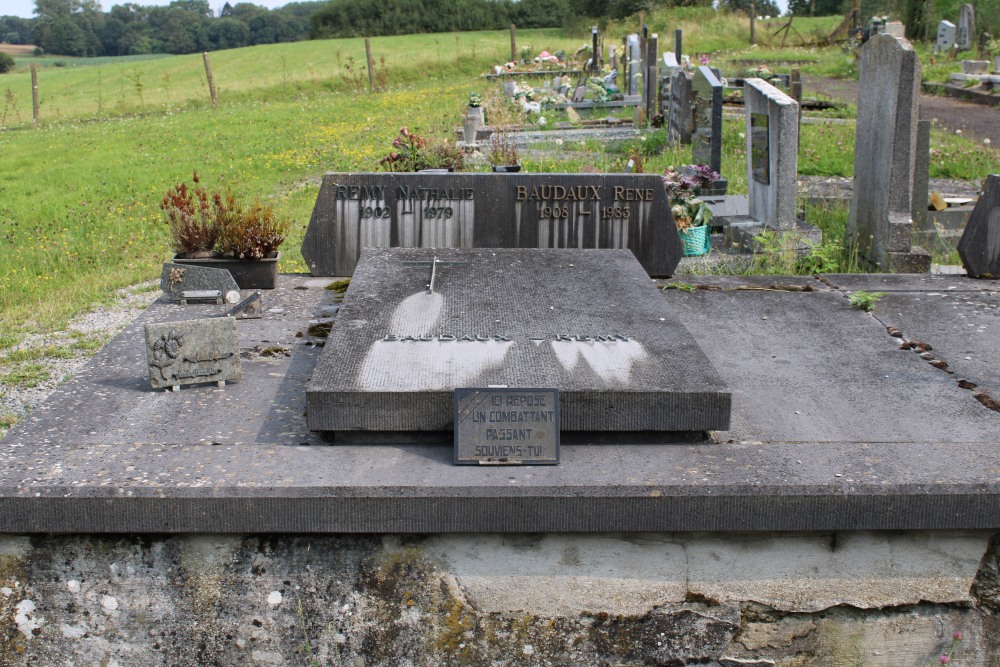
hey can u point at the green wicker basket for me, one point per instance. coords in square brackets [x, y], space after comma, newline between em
[695, 240]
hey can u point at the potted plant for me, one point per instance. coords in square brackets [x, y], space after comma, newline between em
[691, 215]
[413, 152]
[216, 230]
[503, 152]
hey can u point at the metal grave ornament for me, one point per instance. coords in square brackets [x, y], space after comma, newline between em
[504, 426]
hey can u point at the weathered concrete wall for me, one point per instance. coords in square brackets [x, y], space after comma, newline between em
[608, 599]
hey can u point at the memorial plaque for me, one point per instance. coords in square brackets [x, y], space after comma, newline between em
[357, 211]
[193, 351]
[760, 151]
[178, 278]
[504, 426]
[250, 308]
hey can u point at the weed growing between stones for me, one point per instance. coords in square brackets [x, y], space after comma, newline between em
[865, 301]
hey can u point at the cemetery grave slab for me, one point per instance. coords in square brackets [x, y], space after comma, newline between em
[106, 454]
[514, 318]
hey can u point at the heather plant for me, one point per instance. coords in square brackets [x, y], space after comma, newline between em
[192, 213]
[249, 232]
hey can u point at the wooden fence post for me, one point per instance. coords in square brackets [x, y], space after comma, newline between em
[34, 92]
[513, 43]
[371, 65]
[211, 80]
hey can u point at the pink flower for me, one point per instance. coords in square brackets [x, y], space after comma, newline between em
[704, 60]
[944, 659]
[957, 635]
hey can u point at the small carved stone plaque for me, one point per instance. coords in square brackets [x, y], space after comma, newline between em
[193, 351]
[760, 150]
[500, 426]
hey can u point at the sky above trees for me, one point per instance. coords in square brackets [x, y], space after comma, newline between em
[26, 8]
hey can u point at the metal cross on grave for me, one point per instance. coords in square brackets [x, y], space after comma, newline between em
[433, 265]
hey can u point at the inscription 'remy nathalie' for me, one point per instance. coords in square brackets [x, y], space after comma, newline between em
[447, 338]
[378, 193]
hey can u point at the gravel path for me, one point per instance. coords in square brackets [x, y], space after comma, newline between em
[976, 120]
[63, 355]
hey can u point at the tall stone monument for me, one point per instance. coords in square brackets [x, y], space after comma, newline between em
[965, 33]
[772, 138]
[884, 158]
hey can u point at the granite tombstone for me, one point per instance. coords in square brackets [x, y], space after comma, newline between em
[706, 137]
[880, 222]
[681, 116]
[979, 246]
[357, 211]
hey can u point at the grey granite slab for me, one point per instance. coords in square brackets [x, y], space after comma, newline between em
[588, 322]
[107, 454]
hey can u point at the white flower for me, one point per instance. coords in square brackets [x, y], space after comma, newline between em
[986, 141]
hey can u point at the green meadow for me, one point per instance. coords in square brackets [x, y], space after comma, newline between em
[79, 194]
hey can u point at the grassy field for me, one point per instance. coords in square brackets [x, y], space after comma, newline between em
[79, 214]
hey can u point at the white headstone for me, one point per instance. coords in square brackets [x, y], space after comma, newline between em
[945, 36]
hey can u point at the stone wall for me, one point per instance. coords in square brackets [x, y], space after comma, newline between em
[873, 598]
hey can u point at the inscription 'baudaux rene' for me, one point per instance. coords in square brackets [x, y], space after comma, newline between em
[580, 193]
[447, 338]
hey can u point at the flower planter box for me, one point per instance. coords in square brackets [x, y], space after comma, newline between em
[248, 273]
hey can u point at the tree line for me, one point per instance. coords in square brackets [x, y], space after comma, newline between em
[80, 28]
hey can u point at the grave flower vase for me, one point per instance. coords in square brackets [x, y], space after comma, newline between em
[248, 273]
[695, 241]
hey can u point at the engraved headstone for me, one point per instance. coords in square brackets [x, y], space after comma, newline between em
[706, 139]
[772, 138]
[506, 426]
[178, 278]
[470, 210]
[681, 114]
[979, 246]
[945, 36]
[880, 222]
[417, 324]
[192, 351]
[966, 29]
[895, 28]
